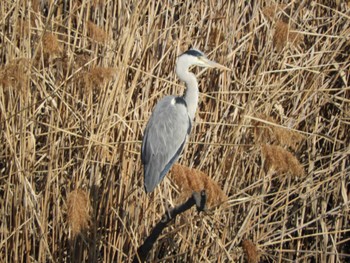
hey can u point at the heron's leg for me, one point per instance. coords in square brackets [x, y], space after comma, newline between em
[165, 194]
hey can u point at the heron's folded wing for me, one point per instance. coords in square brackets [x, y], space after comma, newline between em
[164, 138]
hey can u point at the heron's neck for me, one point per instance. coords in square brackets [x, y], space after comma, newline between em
[191, 93]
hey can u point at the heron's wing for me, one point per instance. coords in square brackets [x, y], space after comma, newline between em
[164, 139]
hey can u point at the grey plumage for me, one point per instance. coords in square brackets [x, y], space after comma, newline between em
[170, 123]
[164, 139]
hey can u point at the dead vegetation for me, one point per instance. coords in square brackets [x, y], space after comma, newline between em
[78, 81]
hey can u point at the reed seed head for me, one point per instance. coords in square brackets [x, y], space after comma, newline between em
[192, 180]
[79, 208]
[250, 250]
[279, 160]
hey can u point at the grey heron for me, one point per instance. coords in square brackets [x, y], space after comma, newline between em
[171, 121]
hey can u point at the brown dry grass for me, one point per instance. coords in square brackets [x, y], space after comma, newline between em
[56, 136]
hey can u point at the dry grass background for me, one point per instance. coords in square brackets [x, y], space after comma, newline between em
[78, 82]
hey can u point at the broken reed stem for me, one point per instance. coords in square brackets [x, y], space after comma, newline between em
[198, 199]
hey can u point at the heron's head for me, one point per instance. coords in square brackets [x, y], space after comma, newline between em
[197, 58]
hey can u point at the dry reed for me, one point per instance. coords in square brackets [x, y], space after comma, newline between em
[23, 27]
[53, 128]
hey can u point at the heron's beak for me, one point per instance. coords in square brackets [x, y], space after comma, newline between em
[213, 64]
